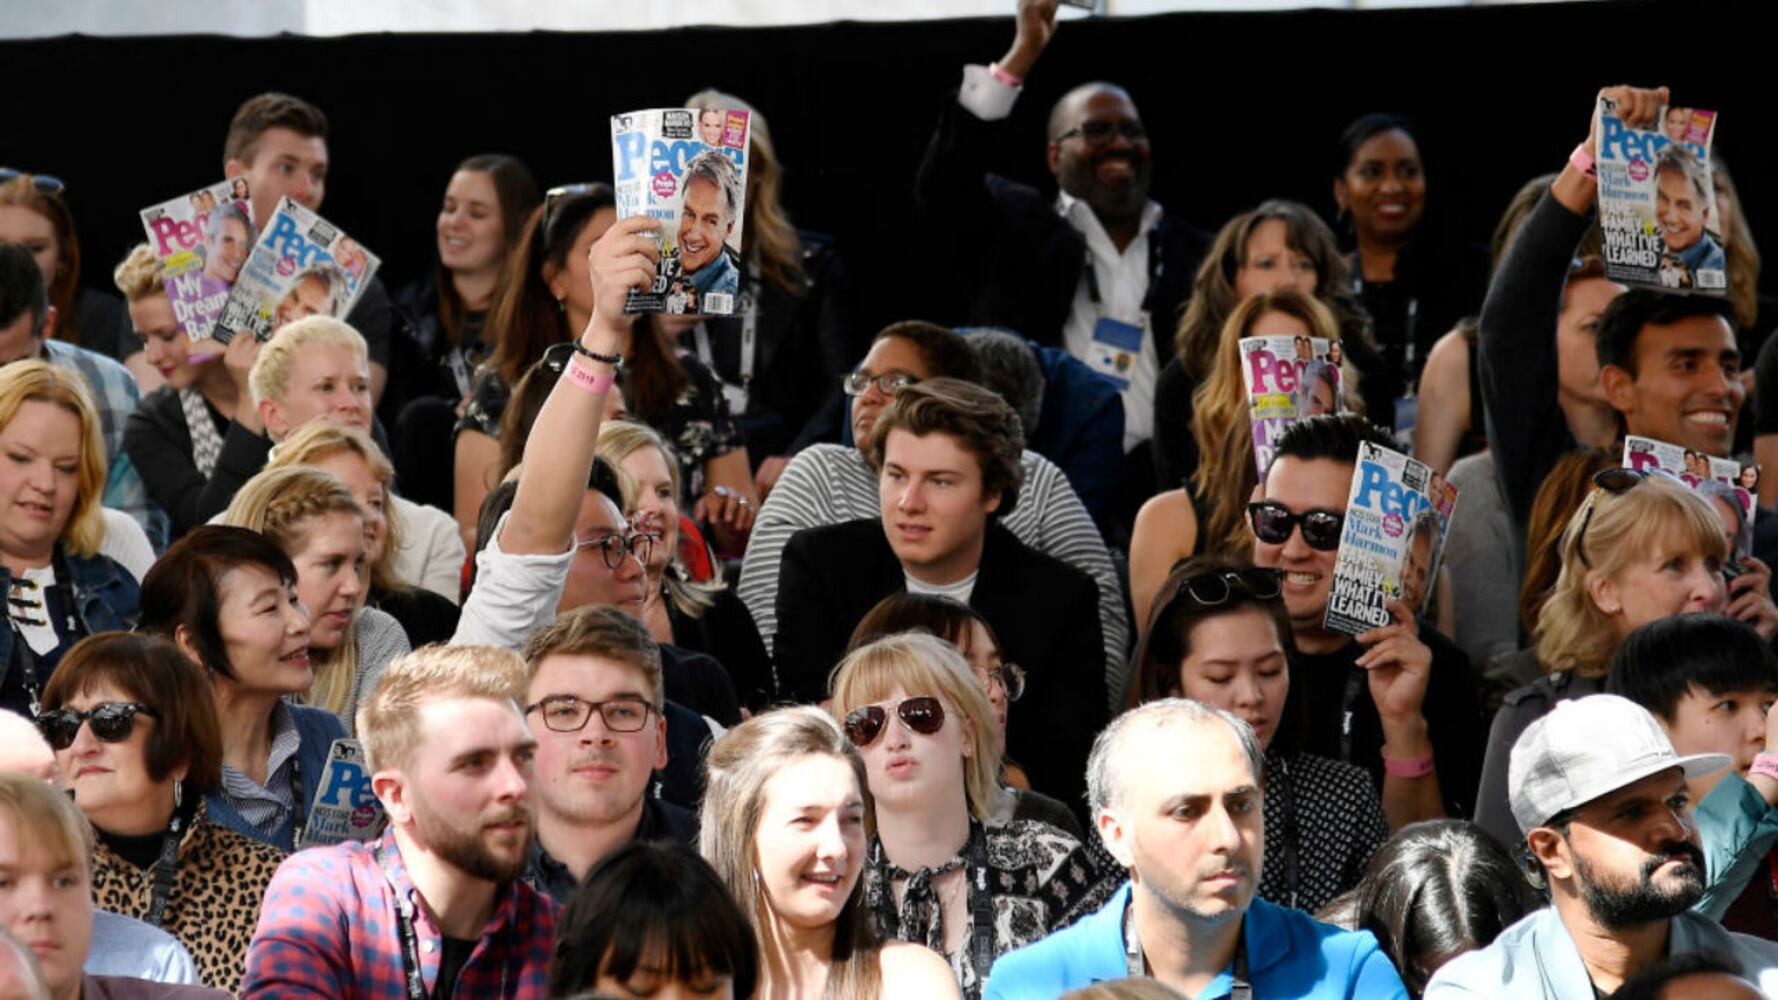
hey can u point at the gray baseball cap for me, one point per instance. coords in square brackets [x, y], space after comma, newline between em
[1589, 747]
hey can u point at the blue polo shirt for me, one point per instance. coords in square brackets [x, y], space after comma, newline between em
[1289, 955]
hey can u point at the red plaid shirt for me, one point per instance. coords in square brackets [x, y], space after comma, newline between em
[329, 929]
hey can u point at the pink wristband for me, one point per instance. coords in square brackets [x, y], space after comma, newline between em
[1410, 767]
[1766, 764]
[1582, 161]
[591, 381]
[1003, 76]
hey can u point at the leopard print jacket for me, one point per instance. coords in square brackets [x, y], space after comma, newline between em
[216, 897]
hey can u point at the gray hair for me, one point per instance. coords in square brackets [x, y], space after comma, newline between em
[339, 284]
[721, 171]
[1105, 786]
[1682, 161]
[222, 213]
[1010, 368]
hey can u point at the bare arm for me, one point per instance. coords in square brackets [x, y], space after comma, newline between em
[1166, 531]
[1444, 402]
[472, 477]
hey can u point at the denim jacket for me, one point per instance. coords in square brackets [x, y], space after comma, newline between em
[104, 594]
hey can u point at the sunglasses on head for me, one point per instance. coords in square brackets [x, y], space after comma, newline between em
[1273, 523]
[1615, 480]
[1217, 587]
[44, 183]
[924, 715]
[554, 198]
[112, 722]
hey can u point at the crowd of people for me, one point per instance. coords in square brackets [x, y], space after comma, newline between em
[488, 640]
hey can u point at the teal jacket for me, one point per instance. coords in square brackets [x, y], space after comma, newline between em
[1737, 830]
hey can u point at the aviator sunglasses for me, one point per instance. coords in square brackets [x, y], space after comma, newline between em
[112, 722]
[924, 715]
[1273, 522]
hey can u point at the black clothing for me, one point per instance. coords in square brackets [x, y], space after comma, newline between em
[1436, 284]
[426, 617]
[158, 442]
[660, 820]
[726, 630]
[103, 324]
[700, 683]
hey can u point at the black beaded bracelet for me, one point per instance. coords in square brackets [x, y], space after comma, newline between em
[614, 360]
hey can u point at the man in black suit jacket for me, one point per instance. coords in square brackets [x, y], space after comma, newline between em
[948, 459]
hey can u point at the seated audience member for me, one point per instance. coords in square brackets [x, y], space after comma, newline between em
[451, 761]
[702, 617]
[826, 484]
[1601, 801]
[528, 396]
[593, 774]
[1279, 245]
[964, 627]
[60, 586]
[34, 215]
[542, 298]
[427, 612]
[278, 143]
[948, 452]
[227, 597]
[313, 517]
[47, 904]
[122, 946]
[1413, 277]
[936, 864]
[784, 822]
[1056, 267]
[1711, 682]
[1220, 636]
[437, 351]
[1433, 891]
[1397, 699]
[1640, 548]
[1208, 515]
[653, 918]
[26, 315]
[1696, 974]
[1071, 415]
[783, 391]
[138, 747]
[1193, 839]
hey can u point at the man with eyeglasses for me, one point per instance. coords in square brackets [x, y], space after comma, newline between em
[1096, 268]
[1396, 701]
[595, 703]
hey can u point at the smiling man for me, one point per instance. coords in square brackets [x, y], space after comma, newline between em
[948, 455]
[1193, 840]
[1683, 203]
[452, 762]
[1601, 798]
[707, 215]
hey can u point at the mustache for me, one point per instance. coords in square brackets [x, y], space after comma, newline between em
[1677, 850]
[509, 815]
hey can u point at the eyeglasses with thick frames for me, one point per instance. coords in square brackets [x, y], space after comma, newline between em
[112, 722]
[565, 713]
[1273, 522]
[1096, 132]
[855, 383]
[44, 183]
[613, 548]
[923, 714]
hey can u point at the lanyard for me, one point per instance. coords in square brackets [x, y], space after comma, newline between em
[981, 905]
[166, 869]
[1239, 987]
[74, 628]
[1156, 267]
[410, 941]
[459, 369]
[1355, 683]
[297, 802]
[749, 312]
[1287, 802]
[1410, 346]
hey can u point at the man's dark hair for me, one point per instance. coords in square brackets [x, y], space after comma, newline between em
[1330, 436]
[1648, 984]
[269, 111]
[1659, 662]
[978, 419]
[21, 288]
[655, 904]
[946, 352]
[184, 587]
[1623, 320]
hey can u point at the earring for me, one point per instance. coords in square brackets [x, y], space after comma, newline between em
[178, 793]
[562, 305]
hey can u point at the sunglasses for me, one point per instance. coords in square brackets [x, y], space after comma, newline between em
[112, 722]
[924, 715]
[1616, 481]
[1215, 588]
[555, 198]
[1273, 523]
[44, 183]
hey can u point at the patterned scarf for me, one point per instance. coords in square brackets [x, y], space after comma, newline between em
[206, 444]
[921, 918]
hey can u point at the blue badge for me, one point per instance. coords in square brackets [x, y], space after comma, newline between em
[1115, 348]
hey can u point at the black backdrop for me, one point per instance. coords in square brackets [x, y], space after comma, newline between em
[1242, 107]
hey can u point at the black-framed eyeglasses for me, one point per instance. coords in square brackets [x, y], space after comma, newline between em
[1009, 677]
[923, 714]
[1273, 522]
[855, 383]
[1615, 480]
[564, 713]
[613, 548]
[553, 200]
[112, 722]
[44, 183]
[1096, 132]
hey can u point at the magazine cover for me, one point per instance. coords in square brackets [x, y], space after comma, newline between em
[202, 239]
[1721, 479]
[302, 265]
[1657, 202]
[1396, 518]
[345, 807]
[1287, 377]
[688, 168]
